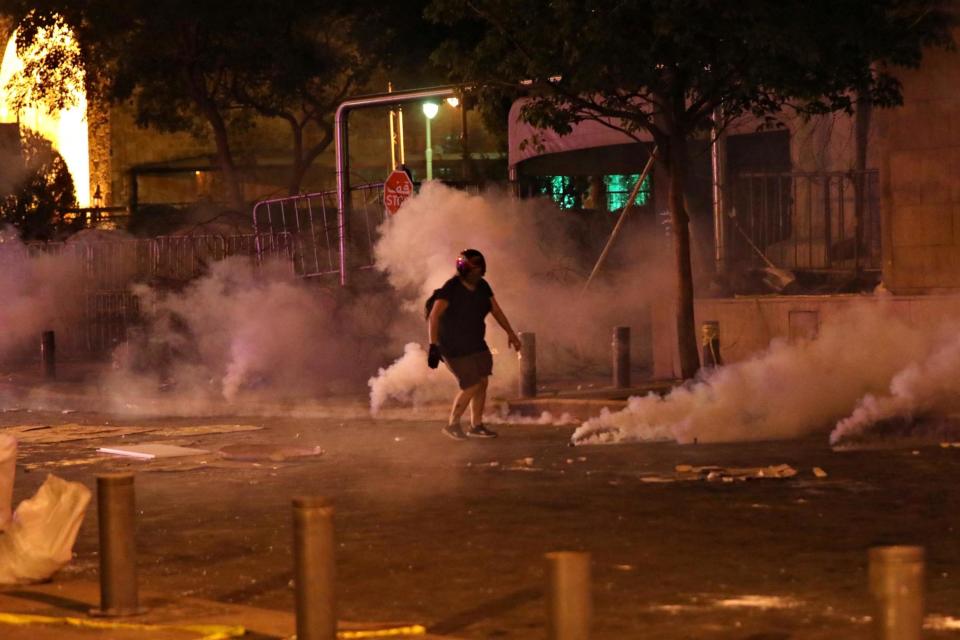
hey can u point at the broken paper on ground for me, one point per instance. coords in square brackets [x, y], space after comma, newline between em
[51, 434]
[202, 430]
[687, 472]
[151, 451]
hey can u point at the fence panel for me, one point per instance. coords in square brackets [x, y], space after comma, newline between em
[807, 221]
[311, 222]
[100, 273]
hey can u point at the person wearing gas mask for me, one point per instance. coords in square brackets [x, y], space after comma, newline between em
[456, 315]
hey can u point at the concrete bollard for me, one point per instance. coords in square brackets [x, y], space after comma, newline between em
[896, 583]
[314, 569]
[569, 604]
[528, 365]
[48, 354]
[710, 344]
[116, 507]
[621, 357]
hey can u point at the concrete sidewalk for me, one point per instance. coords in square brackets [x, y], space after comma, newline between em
[163, 619]
[76, 388]
[582, 403]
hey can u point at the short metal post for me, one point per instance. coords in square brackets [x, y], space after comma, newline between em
[569, 606]
[116, 508]
[621, 357]
[48, 354]
[896, 583]
[314, 569]
[528, 365]
[710, 344]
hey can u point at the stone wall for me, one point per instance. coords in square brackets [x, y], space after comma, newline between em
[919, 161]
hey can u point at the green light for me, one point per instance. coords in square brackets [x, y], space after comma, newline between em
[620, 186]
[558, 188]
[569, 192]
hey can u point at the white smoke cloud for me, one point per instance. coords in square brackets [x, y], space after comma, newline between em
[39, 293]
[929, 385]
[537, 271]
[789, 389]
[409, 381]
[240, 331]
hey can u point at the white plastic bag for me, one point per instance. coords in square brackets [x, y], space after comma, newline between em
[40, 540]
[8, 465]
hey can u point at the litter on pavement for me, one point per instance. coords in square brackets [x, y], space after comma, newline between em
[49, 434]
[39, 541]
[709, 473]
[151, 451]
[53, 434]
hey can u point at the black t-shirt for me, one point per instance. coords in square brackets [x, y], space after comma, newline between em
[463, 325]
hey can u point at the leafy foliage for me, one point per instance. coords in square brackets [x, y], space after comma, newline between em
[52, 73]
[679, 69]
[674, 66]
[208, 67]
[43, 191]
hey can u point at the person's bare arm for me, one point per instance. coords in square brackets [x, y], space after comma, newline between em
[501, 318]
[439, 306]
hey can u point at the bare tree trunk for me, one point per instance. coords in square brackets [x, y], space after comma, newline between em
[225, 159]
[686, 329]
[303, 158]
[224, 156]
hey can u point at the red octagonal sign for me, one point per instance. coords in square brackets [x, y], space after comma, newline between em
[396, 188]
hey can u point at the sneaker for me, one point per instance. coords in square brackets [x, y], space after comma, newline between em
[454, 431]
[481, 431]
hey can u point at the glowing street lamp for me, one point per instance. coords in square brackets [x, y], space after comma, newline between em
[430, 110]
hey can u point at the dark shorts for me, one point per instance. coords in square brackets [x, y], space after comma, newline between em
[470, 369]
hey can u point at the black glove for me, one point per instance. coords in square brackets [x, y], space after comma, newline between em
[434, 357]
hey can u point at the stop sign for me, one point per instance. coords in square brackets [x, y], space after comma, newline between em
[396, 188]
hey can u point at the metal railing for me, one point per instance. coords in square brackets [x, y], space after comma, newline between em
[95, 287]
[310, 223]
[806, 221]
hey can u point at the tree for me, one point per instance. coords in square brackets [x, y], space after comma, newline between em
[208, 67]
[681, 69]
[39, 190]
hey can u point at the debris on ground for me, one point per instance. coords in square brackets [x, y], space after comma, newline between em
[40, 538]
[152, 451]
[820, 473]
[202, 430]
[719, 474]
[711, 473]
[53, 434]
[947, 445]
[68, 462]
[657, 479]
[523, 464]
[261, 451]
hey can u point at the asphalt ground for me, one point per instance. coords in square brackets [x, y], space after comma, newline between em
[452, 535]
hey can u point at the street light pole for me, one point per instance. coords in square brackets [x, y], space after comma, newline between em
[430, 110]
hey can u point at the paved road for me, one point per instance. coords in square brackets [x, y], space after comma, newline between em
[453, 534]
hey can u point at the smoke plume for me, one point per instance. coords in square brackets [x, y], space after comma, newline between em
[795, 388]
[39, 293]
[238, 332]
[930, 385]
[536, 264]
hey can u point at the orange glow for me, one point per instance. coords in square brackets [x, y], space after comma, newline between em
[65, 128]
